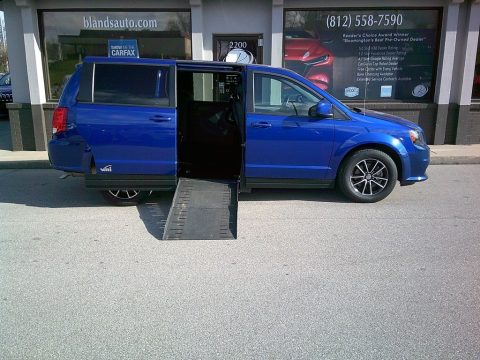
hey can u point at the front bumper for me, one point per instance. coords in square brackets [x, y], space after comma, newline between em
[419, 159]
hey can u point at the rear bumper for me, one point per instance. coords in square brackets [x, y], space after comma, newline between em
[66, 155]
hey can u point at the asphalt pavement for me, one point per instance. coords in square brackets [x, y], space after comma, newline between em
[311, 276]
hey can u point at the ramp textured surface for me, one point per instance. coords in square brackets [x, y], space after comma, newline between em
[203, 209]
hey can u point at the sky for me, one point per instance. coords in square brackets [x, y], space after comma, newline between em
[2, 19]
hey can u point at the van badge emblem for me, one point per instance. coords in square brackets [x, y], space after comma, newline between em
[107, 168]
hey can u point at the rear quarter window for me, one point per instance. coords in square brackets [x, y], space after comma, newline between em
[125, 84]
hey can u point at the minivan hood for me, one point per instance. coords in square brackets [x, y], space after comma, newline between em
[387, 117]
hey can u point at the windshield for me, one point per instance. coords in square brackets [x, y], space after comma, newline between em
[5, 80]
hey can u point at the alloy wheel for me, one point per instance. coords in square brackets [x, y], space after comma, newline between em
[369, 177]
[124, 194]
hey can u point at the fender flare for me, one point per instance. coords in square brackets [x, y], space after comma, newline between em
[391, 145]
[87, 160]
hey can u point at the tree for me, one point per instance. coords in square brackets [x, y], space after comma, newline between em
[3, 58]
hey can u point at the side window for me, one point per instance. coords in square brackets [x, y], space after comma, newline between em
[279, 96]
[218, 87]
[131, 84]
[5, 80]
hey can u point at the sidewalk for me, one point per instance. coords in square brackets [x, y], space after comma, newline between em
[440, 155]
[24, 159]
[454, 154]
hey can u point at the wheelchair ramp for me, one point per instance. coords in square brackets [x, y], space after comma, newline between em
[203, 209]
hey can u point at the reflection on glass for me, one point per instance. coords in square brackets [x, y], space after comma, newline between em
[365, 54]
[145, 84]
[476, 77]
[279, 96]
[70, 36]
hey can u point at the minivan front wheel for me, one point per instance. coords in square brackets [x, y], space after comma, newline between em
[368, 176]
[125, 197]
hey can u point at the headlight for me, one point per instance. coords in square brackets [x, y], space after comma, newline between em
[416, 137]
[318, 60]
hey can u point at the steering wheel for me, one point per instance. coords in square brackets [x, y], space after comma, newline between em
[289, 102]
[297, 99]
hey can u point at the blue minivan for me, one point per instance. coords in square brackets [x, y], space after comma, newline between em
[131, 126]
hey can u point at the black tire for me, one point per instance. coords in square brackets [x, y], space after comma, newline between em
[124, 197]
[367, 176]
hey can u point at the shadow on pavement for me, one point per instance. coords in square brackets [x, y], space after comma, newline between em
[317, 195]
[154, 212]
[45, 189]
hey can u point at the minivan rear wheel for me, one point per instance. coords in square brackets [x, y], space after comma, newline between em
[368, 176]
[125, 197]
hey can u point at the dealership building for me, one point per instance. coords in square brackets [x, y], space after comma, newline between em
[418, 61]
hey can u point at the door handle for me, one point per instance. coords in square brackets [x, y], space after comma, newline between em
[160, 118]
[262, 125]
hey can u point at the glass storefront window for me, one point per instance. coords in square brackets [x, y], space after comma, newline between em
[371, 54]
[476, 76]
[68, 37]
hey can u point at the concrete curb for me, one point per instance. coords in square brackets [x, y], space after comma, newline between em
[25, 164]
[455, 160]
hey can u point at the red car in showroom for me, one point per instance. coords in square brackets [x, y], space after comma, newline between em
[307, 56]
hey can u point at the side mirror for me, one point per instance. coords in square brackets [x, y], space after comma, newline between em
[323, 110]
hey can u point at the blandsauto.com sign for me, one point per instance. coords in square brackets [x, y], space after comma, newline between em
[91, 22]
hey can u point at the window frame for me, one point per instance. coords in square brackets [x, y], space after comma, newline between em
[251, 99]
[275, 77]
[438, 53]
[41, 29]
[476, 99]
[89, 83]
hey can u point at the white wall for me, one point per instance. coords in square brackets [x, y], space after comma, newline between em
[16, 52]
[237, 17]
[467, 68]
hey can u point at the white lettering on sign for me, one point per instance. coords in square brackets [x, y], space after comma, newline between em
[237, 44]
[122, 52]
[91, 22]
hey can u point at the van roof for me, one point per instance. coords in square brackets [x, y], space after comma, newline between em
[200, 63]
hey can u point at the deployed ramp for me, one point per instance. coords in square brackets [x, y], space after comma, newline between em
[203, 209]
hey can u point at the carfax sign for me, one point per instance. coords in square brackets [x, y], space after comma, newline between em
[123, 48]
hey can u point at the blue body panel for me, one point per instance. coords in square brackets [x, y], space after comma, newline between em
[288, 147]
[130, 140]
[68, 151]
[121, 139]
[335, 139]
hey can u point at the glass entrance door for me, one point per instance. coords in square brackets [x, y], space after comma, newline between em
[246, 49]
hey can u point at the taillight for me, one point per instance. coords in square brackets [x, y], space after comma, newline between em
[59, 123]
